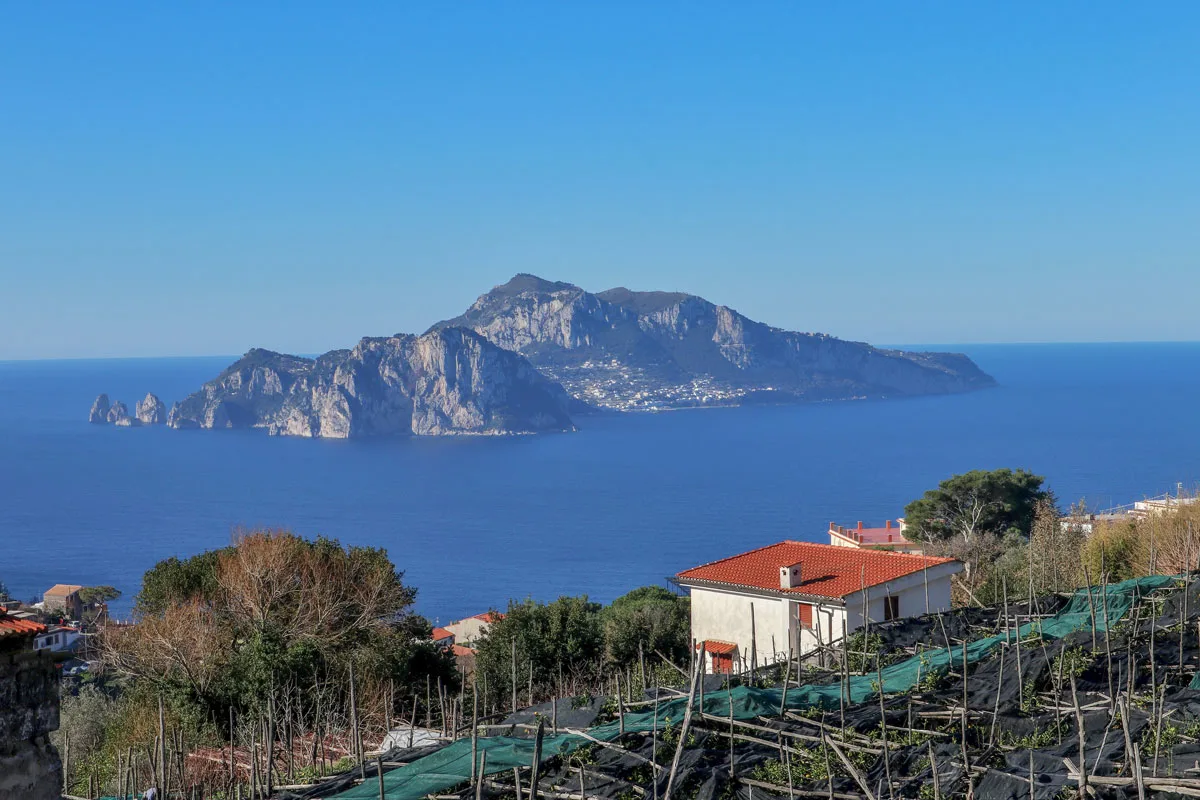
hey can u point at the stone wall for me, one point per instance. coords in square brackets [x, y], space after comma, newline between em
[30, 768]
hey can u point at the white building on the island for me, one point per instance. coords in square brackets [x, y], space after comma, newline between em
[754, 606]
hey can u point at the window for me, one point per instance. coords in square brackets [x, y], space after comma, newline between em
[891, 608]
[805, 614]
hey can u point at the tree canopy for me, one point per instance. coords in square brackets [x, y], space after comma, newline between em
[575, 641]
[977, 503]
[274, 613]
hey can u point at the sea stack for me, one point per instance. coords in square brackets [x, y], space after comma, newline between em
[99, 415]
[151, 410]
[118, 414]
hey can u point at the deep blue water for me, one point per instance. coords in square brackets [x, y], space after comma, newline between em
[626, 501]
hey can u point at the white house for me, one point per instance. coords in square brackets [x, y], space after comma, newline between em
[753, 607]
[57, 638]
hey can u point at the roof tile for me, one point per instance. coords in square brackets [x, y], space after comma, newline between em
[828, 570]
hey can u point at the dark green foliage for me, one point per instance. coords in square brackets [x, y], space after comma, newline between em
[650, 617]
[574, 638]
[90, 595]
[977, 503]
[565, 636]
[173, 582]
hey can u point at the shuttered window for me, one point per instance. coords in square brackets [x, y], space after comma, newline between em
[806, 614]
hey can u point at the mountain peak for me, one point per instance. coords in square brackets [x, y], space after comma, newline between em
[525, 282]
[642, 302]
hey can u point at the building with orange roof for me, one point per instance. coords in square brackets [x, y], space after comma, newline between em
[64, 598]
[470, 630]
[756, 607]
[17, 633]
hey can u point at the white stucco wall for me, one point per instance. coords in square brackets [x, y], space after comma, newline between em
[723, 615]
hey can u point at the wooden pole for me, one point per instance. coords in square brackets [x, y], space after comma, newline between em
[1083, 788]
[379, 766]
[535, 768]
[162, 747]
[683, 733]
[933, 769]
[480, 775]
[514, 682]
[475, 732]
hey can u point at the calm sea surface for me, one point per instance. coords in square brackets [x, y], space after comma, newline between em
[626, 501]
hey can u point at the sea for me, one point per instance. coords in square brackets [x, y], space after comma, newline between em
[627, 501]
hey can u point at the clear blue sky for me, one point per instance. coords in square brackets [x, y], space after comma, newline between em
[200, 178]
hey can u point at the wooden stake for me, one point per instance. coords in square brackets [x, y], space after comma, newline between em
[933, 768]
[514, 684]
[537, 760]
[1083, 788]
[683, 731]
[479, 776]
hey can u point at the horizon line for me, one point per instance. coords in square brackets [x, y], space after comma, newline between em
[889, 346]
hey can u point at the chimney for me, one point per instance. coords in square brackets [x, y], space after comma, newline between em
[888, 525]
[860, 525]
[790, 577]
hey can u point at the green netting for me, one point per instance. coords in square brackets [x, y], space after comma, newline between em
[451, 765]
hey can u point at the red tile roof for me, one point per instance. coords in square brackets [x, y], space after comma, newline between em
[15, 626]
[441, 633]
[459, 650]
[489, 616]
[718, 648]
[827, 571]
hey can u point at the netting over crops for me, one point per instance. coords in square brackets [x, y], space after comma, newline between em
[451, 766]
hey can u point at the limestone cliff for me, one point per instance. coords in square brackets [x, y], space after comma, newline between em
[450, 381]
[150, 410]
[636, 350]
[99, 412]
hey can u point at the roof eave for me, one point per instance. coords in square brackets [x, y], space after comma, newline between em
[819, 599]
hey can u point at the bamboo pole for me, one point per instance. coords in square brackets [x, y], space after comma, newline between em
[537, 760]
[683, 732]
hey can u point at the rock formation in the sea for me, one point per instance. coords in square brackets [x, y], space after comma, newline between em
[99, 413]
[643, 350]
[118, 414]
[151, 410]
[449, 381]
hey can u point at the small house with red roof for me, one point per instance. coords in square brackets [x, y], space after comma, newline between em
[468, 631]
[889, 537]
[756, 607]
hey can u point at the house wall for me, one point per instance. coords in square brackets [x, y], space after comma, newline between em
[724, 615]
[467, 630]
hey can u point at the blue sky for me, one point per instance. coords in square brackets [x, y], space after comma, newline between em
[202, 178]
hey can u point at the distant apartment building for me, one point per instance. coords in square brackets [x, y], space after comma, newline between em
[889, 537]
[793, 597]
[1142, 509]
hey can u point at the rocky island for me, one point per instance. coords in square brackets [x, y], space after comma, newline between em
[149, 411]
[449, 381]
[627, 350]
[530, 353]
